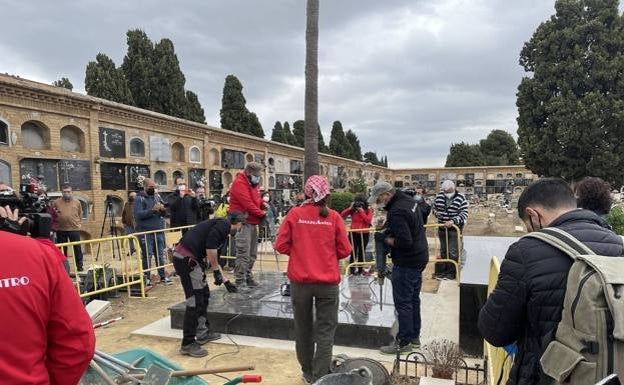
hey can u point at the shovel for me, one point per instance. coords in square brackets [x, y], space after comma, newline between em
[157, 375]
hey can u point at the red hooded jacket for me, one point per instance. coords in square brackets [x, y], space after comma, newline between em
[47, 336]
[360, 219]
[246, 198]
[314, 244]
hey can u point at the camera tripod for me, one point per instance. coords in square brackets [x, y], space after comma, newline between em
[109, 216]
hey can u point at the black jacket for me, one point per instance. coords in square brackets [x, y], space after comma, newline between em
[405, 225]
[527, 302]
[184, 210]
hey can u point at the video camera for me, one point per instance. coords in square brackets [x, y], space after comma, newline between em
[31, 206]
[358, 205]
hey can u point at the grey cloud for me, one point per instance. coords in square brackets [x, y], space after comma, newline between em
[410, 77]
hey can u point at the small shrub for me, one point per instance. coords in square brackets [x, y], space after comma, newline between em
[341, 200]
[616, 219]
[445, 356]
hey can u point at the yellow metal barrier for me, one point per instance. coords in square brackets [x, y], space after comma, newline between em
[447, 258]
[155, 242]
[105, 258]
[498, 362]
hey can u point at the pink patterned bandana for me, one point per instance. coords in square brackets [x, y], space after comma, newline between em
[316, 188]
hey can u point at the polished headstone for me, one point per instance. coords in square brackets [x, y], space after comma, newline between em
[263, 312]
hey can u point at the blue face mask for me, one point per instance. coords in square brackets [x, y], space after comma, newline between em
[254, 179]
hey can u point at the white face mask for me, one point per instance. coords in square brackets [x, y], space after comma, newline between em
[266, 199]
[449, 195]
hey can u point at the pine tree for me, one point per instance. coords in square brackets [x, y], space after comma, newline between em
[354, 144]
[194, 110]
[167, 92]
[338, 144]
[253, 125]
[371, 157]
[278, 133]
[571, 101]
[299, 132]
[104, 81]
[463, 155]
[63, 83]
[138, 68]
[288, 135]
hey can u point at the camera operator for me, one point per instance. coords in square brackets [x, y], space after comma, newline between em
[205, 205]
[182, 205]
[149, 214]
[69, 222]
[47, 336]
[197, 251]
[361, 218]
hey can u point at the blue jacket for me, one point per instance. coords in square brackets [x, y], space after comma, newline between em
[145, 218]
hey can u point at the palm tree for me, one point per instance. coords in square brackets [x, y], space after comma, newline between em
[311, 165]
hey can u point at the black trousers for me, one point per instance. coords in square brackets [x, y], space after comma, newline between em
[71, 236]
[196, 295]
[360, 241]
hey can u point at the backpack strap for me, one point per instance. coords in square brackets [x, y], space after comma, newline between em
[562, 240]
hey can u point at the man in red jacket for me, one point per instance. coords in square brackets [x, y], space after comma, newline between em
[47, 336]
[245, 198]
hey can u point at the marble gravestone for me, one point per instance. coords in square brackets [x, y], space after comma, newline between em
[112, 143]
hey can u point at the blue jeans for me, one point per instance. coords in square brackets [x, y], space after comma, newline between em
[127, 231]
[406, 285]
[152, 240]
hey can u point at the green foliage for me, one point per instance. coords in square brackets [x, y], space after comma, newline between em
[616, 219]
[104, 80]
[371, 157]
[464, 154]
[288, 135]
[234, 113]
[571, 103]
[358, 185]
[298, 133]
[63, 83]
[354, 144]
[194, 110]
[138, 68]
[341, 200]
[167, 93]
[321, 142]
[277, 135]
[338, 144]
[499, 149]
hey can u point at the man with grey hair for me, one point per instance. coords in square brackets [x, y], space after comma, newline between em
[245, 198]
[451, 209]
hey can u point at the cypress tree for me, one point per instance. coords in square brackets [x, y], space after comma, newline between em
[138, 68]
[194, 110]
[299, 132]
[63, 83]
[104, 81]
[167, 92]
[354, 145]
[338, 144]
[278, 133]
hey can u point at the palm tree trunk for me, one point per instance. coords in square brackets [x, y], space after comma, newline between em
[311, 164]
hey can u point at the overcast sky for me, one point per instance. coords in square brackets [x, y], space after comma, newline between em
[410, 77]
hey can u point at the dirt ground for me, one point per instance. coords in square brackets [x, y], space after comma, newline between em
[276, 366]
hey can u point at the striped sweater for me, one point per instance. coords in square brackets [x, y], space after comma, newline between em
[454, 209]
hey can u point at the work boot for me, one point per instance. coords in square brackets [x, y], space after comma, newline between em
[194, 350]
[206, 337]
[415, 343]
[394, 347]
[239, 282]
[252, 282]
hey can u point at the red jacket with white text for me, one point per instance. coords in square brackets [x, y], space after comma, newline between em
[246, 198]
[45, 332]
[314, 244]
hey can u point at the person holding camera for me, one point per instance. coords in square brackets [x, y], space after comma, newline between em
[205, 205]
[182, 205]
[361, 219]
[69, 222]
[406, 237]
[149, 214]
[197, 251]
[47, 335]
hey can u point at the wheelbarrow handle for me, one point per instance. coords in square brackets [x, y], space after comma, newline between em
[196, 372]
[252, 378]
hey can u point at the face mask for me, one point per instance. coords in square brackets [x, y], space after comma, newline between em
[227, 199]
[254, 179]
[449, 195]
[181, 187]
[266, 199]
[150, 191]
[67, 196]
[418, 198]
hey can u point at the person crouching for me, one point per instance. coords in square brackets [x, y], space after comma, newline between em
[189, 260]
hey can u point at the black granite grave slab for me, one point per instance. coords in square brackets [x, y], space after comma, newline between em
[264, 312]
